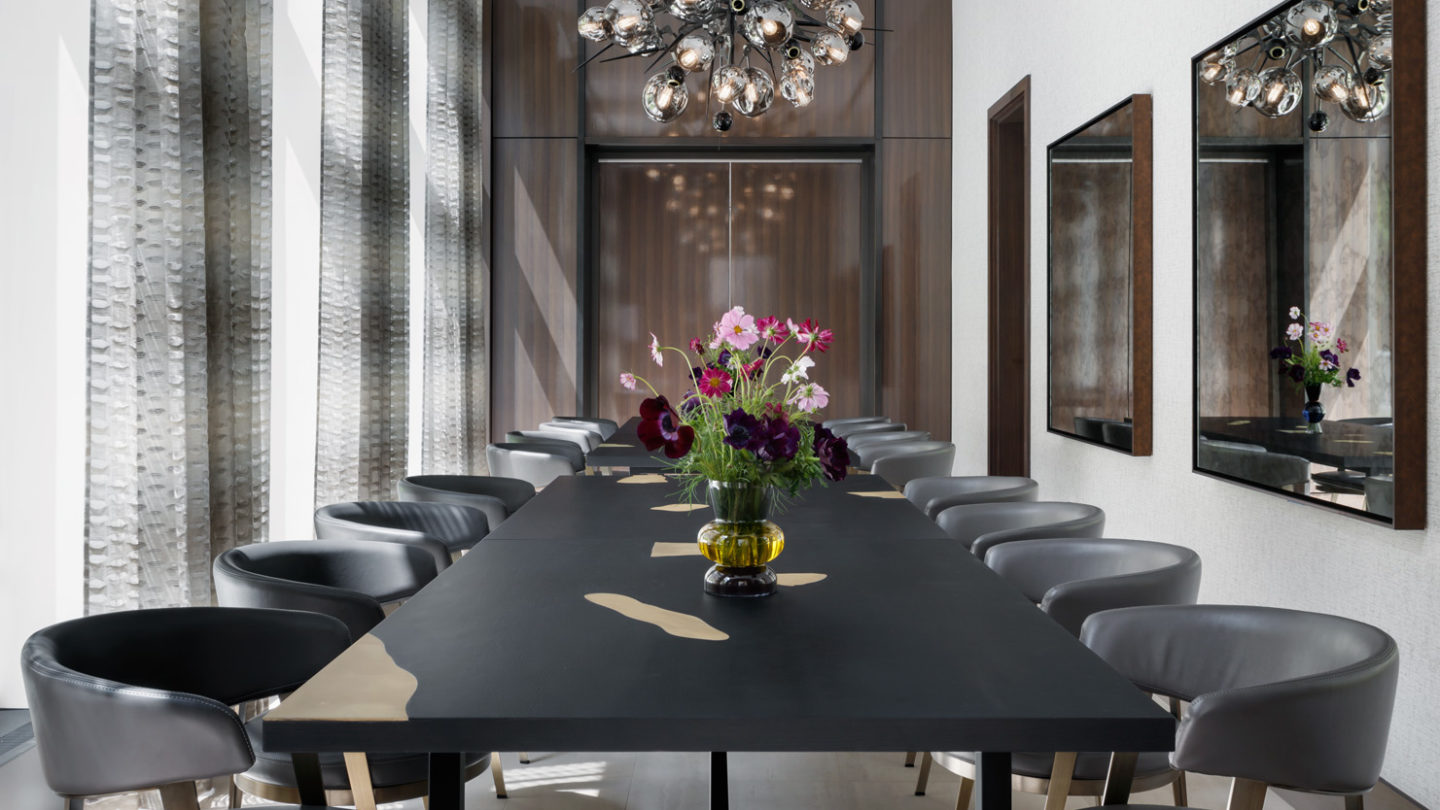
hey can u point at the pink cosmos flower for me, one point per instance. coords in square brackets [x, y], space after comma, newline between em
[1321, 333]
[655, 350]
[715, 382]
[812, 337]
[1295, 313]
[628, 381]
[810, 397]
[772, 329]
[1341, 345]
[1294, 331]
[697, 346]
[737, 329]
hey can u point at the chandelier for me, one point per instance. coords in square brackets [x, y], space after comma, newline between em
[1347, 45]
[701, 36]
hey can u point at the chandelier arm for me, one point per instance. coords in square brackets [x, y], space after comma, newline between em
[593, 57]
[766, 53]
[1346, 62]
[631, 55]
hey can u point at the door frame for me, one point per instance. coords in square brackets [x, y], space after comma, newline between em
[1008, 455]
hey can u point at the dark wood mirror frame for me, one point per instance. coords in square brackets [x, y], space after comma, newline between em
[1409, 105]
[1141, 251]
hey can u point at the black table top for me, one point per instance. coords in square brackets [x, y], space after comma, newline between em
[1352, 445]
[624, 449]
[901, 646]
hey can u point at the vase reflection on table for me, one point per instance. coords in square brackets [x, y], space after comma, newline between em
[746, 433]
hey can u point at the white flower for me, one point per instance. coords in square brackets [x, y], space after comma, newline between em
[1294, 313]
[799, 370]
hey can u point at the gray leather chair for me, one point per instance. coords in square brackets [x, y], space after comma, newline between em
[581, 438]
[1253, 463]
[1071, 579]
[1118, 434]
[565, 448]
[606, 427]
[597, 436]
[350, 581]
[983, 526]
[536, 464]
[861, 445]
[904, 462]
[1093, 427]
[846, 431]
[1277, 697]
[1380, 495]
[115, 707]
[935, 494]
[497, 497]
[864, 455]
[442, 529]
[831, 424]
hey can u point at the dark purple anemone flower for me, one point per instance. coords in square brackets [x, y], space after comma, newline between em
[1351, 377]
[689, 403]
[1280, 353]
[833, 452]
[1330, 357]
[782, 440]
[660, 427]
[1297, 373]
[743, 431]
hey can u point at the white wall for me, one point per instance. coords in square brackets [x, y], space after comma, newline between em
[1257, 548]
[44, 205]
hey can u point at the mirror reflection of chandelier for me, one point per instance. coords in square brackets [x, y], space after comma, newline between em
[1345, 47]
[733, 42]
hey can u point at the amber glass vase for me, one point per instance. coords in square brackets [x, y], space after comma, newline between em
[741, 540]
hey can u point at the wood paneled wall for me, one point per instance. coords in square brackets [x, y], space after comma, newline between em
[891, 101]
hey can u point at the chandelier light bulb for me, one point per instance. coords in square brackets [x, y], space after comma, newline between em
[1214, 70]
[1367, 103]
[593, 25]
[628, 18]
[845, 18]
[664, 99]
[692, 10]
[798, 88]
[758, 95]
[1242, 88]
[1311, 24]
[728, 83]
[768, 24]
[1280, 90]
[1332, 84]
[816, 5]
[829, 48]
[1381, 53]
[695, 52]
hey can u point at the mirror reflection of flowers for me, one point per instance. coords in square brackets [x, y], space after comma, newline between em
[750, 414]
[1311, 353]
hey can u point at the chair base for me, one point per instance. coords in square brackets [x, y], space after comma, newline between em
[286, 794]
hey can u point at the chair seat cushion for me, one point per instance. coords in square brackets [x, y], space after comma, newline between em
[386, 770]
[1091, 766]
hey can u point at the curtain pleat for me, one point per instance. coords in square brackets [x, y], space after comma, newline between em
[363, 364]
[456, 374]
[178, 305]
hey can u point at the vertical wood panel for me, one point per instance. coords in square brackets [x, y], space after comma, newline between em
[535, 53]
[535, 310]
[915, 284]
[916, 58]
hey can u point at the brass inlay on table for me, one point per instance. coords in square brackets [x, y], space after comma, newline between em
[685, 508]
[647, 478]
[690, 549]
[886, 494]
[617, 445]
[681, 625]
[363, 685]
[796, 580]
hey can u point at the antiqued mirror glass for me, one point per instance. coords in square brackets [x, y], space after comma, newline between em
[1100, 241]
[1296, 279]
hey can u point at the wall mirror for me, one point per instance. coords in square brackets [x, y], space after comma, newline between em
[1100, 246]
[1309, 134]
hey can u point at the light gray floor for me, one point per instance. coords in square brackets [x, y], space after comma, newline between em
[673, 782]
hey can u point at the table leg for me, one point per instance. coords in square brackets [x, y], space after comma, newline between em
[1120, 778]
[992, 781]
[308, 780]
[447, 782]
[719, 781]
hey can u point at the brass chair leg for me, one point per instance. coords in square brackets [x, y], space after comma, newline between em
[524, 757]
[1181, 790]
[920, 783]
[75, 803]
[179, 796]
[1246, 794]
[357, 769]
[967, 791]
[1355, 802]
[1062, 772]
[497, 771]
[909, 759]
[237, 797]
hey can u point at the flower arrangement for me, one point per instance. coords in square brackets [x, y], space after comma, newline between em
[749, 416]
[1311, 353]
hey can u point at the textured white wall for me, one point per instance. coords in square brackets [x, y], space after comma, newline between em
[1257, 548]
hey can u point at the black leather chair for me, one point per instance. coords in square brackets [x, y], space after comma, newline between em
[1093, 427]
[532, 462]
[497, 497]
[935, 494]
[903, 462]
[570, 451]
[982, 526]
[351, 582]
[442, 529]
[578, 436]
[606, 427]
[1277, 697]
[142, 699]
[1071, 579]
[1119, 434]
[865, 447]
[854, 428]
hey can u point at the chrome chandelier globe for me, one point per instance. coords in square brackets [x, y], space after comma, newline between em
[748, 50]
[1345, 46]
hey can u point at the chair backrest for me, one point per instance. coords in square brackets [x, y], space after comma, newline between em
[1118, 434]
[514, 492]
[1380, 494]
[927, 459]
[494, 507]
[570, 451]
[981, 526]
[606, 427]
[596, 435]
[138, 699]
[539, 466]
[1292, 699]
[1072, 578]
[439, 528]
[864, 454]
[1093, 427]
[887, 436]
[934, 494]
[846, 431]
[583, 439]
[1270, 469]
[350, 581]
[852, 420]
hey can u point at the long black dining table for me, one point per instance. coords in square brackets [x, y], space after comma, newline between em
[580, 624]
[624, 450]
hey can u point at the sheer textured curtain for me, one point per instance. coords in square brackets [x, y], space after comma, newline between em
[179, 321]
[364, 288]
[457, 324]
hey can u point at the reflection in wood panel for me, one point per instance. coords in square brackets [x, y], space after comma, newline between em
[535, 52]
[662, 268]
[1090, 301]
[534, 282]
[915, 285]
[916, 56]
[797, 253]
